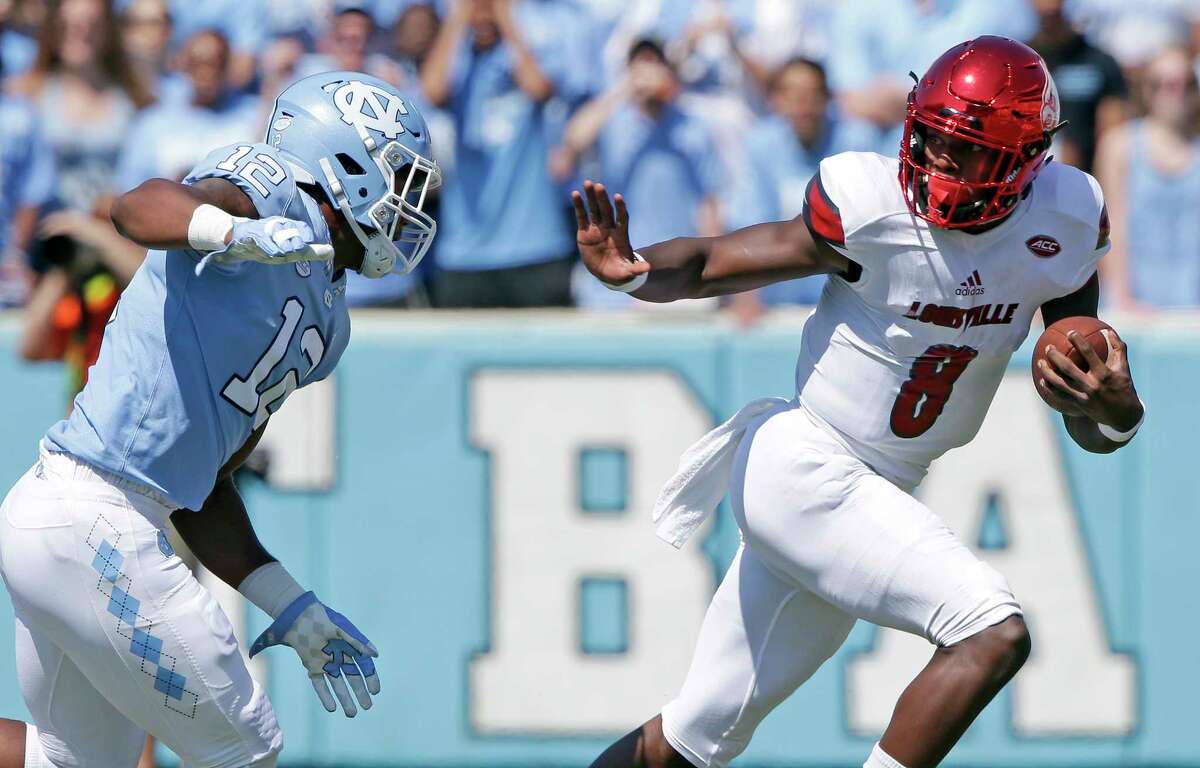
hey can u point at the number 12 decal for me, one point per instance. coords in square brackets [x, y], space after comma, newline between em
[262, 168]
[931, 380]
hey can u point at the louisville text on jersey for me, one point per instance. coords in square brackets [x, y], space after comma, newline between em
[962, 317]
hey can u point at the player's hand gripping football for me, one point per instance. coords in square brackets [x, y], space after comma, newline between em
[275, 240]
[603, 235]
[332, 649]
[1103, 393]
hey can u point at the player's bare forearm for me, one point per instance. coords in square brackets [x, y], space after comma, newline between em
[221, 536]
[695, 267]
[156, 213]
[699, 267]
[1086, 434]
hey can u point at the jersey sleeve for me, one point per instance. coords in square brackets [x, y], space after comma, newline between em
[822, 215]
[1096, 232]
[1095, 244]
[849, 191]
[1080, 201]
[257, 169]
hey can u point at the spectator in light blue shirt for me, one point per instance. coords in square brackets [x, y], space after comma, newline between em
[659, 157]
[874, 44]
[17, 50]
[170, 137]
[346, 48]
[412, 39]
[1134, 33]
[782, 154]
[145, 35]
[26, 184]
[1150, 170]
[242, 22]
[505, 238]
[387, 13]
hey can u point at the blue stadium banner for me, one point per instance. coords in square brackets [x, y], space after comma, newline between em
[475, 492]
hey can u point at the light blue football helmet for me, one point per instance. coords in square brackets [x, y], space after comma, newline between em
[367, 147]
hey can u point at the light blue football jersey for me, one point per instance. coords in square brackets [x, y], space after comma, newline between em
[199, 353]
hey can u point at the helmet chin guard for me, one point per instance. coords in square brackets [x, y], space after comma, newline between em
[395, 220]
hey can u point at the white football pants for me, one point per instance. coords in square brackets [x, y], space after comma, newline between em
[825, 541]
[115, 636]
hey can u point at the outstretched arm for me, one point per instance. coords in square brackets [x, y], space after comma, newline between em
[212, 214]
[696, 267]
[157, 213]
[1104, 394]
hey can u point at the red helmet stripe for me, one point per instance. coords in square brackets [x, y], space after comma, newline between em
[821, 215]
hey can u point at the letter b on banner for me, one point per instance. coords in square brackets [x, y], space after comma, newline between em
[535, 676]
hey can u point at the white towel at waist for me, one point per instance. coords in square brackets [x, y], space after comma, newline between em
[702, 479]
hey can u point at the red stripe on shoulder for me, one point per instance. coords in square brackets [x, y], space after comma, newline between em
[821, 215]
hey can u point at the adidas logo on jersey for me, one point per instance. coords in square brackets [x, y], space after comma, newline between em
[972, 286]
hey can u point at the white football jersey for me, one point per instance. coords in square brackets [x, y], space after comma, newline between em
[902, 361]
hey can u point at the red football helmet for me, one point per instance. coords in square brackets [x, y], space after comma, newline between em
[993, 102]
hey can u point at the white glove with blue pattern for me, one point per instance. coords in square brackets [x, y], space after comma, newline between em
[331, 648]
[274, 240]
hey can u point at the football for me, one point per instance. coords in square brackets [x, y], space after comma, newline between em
[1056, 336]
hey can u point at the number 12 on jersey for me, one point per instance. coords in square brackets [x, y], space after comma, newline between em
[243, 391]
[930, 382]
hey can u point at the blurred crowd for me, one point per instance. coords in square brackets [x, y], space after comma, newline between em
[707, 115]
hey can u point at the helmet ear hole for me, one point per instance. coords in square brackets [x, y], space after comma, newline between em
[362, 191]
[349, 164]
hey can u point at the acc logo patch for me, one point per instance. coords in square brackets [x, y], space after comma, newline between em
[1043, 246]
[370, 107]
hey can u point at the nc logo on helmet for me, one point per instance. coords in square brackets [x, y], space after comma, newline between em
[370, 107]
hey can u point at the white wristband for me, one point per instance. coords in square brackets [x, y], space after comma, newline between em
[633, 283]
[1123, 437]
[271, 588]
[209, 227]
